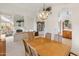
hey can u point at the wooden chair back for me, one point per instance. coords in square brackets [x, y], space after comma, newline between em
[48, 35]
[27, 50]
[58, 37]
[33, 51]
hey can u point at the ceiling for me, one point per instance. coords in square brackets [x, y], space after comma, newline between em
[20, 7]
[28, 9]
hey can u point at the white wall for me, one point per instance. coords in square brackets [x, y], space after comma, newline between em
[51, 23]
[75, 27]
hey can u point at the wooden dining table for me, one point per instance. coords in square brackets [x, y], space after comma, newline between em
[47, 47]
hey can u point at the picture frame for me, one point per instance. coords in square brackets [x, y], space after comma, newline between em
[67, 24]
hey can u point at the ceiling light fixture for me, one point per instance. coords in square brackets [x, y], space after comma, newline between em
[44, 13]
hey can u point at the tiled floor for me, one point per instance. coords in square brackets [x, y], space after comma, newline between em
[14, 48]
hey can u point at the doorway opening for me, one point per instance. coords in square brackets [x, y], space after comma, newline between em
[65, 26]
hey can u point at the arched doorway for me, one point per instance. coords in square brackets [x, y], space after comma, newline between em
[65, 26]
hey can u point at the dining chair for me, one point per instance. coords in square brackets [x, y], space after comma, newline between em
[36, 34]
[27, 50]
[72, 54]
[48, 35]
[33, 51]
[58, 38]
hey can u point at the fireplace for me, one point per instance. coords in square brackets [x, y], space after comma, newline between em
[19, 30]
